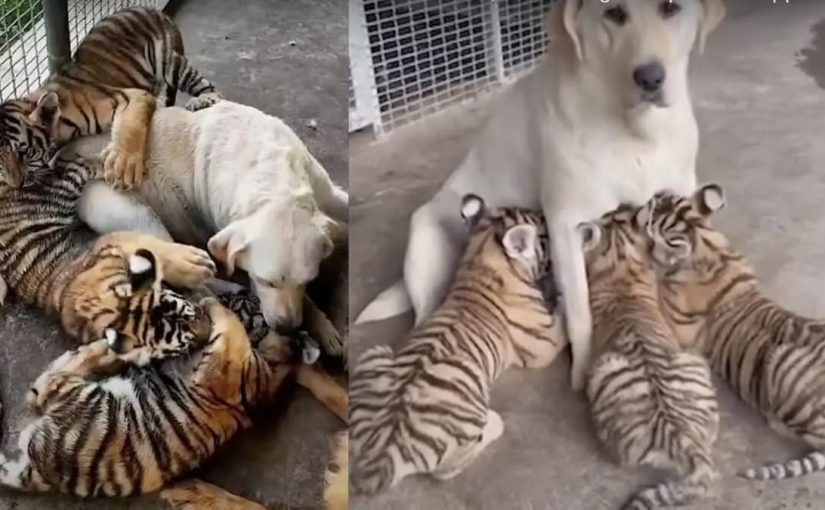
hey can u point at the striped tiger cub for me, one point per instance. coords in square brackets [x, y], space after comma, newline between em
[773, 358]
[110, 84]
[651, 402]
[426, 408]
[109, 429]
[93, 284]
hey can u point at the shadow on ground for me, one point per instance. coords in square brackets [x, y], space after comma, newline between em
[287, 58]
[760, 116]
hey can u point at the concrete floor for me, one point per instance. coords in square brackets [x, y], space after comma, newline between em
[245, 50]
[759, 94]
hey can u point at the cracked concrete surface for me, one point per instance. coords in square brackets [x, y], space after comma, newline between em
[245, 50]
[759, 94]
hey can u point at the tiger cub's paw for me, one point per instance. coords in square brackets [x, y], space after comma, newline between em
[188, 266]
[122, 169]
[202, 101]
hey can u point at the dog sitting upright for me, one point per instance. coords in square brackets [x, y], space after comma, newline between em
[241, 182]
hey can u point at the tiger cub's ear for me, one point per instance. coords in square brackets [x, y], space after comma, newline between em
[520, 242]
[472, 208]
[47, 109]
[142, 270]
[709, 198]
[591, 234]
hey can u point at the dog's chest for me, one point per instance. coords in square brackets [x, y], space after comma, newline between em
[632, 171]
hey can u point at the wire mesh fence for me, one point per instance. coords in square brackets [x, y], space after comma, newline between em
[24, 59]
[425, 55]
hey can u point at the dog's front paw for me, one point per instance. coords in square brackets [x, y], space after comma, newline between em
[122, 169]
[189, 267]
[202, 101]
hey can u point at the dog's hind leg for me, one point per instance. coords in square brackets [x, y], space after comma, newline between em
[331, 199]
[392, 301]
[432, 254]
[107, 210]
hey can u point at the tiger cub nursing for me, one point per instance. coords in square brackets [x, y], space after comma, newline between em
[91, 284]
[773, 358]
[426, 408]
[651, 402]
[119, 435]
[125, 60]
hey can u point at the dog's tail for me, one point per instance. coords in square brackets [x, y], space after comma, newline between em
[391, 302]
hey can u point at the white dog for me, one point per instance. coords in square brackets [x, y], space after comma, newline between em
[241, 182]
[604, 119]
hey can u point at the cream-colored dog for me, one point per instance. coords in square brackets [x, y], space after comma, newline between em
[241, 182]
[605, 118]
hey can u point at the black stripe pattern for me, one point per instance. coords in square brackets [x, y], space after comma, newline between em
[425, 408]
[137, 48]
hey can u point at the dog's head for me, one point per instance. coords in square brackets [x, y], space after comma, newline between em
[638, 48]
[281, 247]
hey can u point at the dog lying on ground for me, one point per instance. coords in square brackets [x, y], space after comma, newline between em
[242, 183]
[606, 118]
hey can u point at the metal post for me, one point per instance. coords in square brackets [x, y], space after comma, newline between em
[56, 18]
[367, 110]
[496, 43]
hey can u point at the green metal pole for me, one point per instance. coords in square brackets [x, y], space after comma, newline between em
[56, 18]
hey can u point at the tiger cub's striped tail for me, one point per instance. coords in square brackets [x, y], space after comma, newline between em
[810, 463]
[373, 469]
[677, 493]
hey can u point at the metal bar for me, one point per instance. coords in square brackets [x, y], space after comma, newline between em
[366, 110]
[56, 17]
[495, 41]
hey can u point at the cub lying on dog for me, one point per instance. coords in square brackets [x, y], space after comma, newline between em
[242, 182]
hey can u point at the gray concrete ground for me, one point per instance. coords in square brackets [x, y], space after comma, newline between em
[244, 48]
[759, 98]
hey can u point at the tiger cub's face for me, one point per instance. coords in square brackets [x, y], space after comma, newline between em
[152, 322]
[520, 235]
[682, 242]
[26, 137]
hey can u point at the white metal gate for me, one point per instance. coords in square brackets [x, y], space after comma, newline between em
[411, 58]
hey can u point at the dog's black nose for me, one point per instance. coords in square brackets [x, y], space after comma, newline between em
[649, 77]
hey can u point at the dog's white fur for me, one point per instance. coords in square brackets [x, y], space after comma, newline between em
[240, 181]
[576, 138]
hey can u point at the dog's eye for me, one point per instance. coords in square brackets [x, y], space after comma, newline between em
[616, 14]
[669, 8]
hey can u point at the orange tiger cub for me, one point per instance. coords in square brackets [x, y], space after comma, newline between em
[110, 85]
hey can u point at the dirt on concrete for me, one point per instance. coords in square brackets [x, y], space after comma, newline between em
[761, 121]
[288, 58]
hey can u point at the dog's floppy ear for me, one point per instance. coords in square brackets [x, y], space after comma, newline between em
[561, 24]
[227, 244]
[713, 11]
[336, 234]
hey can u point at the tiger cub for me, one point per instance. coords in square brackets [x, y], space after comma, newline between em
[91, 285]
[119, 435]
[651, 402]
[773, 358]
[426, 408]
[125, 60]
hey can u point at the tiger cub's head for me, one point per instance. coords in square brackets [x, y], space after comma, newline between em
[125, 294]
[507, 238]
[28, 132]
[682, 241]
